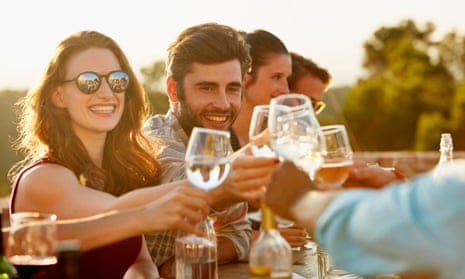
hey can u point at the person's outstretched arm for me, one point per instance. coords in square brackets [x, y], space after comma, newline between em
[411, 226]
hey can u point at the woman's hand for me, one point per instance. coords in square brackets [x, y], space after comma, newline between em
[246, 181]
[181, 208]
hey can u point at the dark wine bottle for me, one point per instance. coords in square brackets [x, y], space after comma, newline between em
[68, 254]
[7, 270]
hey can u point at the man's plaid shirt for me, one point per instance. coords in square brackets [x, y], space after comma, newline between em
[232, 222]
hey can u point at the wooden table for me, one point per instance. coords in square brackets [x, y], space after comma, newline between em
[305, 265]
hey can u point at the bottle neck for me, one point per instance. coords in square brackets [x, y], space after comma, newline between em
[446, 157]
[68, 259]
[268, 218]
[446, 148]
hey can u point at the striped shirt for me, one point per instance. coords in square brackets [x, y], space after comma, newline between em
[231, 223]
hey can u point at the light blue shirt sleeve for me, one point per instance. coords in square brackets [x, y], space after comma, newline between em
[411, 226]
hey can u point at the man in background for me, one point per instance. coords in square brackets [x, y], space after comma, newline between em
[309, 79]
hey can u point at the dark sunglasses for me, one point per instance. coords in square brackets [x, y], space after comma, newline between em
[89, 82]
[318, 106]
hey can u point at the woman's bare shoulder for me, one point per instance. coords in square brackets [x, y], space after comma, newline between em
[47, 172]
[44, 185]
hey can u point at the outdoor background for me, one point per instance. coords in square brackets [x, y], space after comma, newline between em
[398, 66]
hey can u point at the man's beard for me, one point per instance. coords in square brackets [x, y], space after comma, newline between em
[188, 119]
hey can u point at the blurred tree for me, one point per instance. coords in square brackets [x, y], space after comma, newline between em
[458, 117]
[451, 51]
[429, 126]
[153, 82]
[406, 79]
[364, 102]
[333, 98]
[8, 132]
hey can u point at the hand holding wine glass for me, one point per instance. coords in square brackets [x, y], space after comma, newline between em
[207, 166]
[32, 242]
[337, 160]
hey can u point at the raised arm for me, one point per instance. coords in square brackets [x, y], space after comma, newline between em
[54, 188]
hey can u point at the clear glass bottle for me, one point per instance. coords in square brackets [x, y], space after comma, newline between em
[323, 262]
[7, 270]
[446, 152]
[270, 255]
[196, 257]
[331, 271]
[341, 274]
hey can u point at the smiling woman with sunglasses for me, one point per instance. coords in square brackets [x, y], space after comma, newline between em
[85, 155]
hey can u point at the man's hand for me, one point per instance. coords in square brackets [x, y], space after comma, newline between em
[288, 184]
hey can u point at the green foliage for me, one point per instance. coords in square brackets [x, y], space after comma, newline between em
[8, 133]
[451, 50]
[458, 117]
[333, 99]
[158, 102]
[154, 77]
[429, 131]
[409, 93]
[362, 107]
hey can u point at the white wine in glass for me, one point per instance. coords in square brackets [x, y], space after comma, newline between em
[207, 157]
[295, 132]
[337, 160]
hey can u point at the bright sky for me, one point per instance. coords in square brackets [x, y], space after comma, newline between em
[331, 32]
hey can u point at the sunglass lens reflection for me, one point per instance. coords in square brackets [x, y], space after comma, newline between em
[88, 82]
[118, 81]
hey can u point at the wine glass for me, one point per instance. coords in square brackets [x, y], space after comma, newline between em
[260, 145]
[258, 132]
[295, 135]
[207, 157]
[207, 166]
[295, 132]
[337, 160]
[32, 243]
